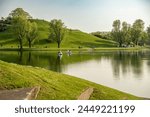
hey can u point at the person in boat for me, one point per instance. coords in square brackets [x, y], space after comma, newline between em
[60, 53]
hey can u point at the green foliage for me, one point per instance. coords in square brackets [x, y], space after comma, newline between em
[3, 25]
[116, 32]
[20, 29]
[148, 31]
[32, 32]
[20, 24]
[57, 31]
[19, 12]
[102, 35]
[148, 34]
[127, 35]
[137, 29]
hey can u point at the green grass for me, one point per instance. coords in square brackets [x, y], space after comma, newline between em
[73, 39]
[53, 85]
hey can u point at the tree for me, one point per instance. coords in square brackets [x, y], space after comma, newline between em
[136, 31]
[31, 32]
[148, 35]
[20, 29]
[19, 12]
[57, 31]
[19, 21]
[3, 25]
[126, 33]
[116, 32]
[148, 32]
[143, 38]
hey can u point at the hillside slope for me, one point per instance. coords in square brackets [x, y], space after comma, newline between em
[53, 85]
[73, 38]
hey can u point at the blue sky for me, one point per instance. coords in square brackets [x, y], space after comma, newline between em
[86, 15]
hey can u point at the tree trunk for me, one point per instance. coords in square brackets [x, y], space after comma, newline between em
[120, 44]
[20, 56]
[21, 46]
[29, 44]
[58, 44]
[136, 43]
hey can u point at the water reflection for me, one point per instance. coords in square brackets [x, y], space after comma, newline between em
[126, 62]
[121, 61]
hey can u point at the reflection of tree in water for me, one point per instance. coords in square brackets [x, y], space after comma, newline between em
[122, 61]
[29, 57]
[126, 61]
[58, 65]
[20, 54]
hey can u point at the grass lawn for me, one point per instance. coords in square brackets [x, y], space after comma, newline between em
[53, 85]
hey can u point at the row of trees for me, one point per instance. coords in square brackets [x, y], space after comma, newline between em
[25, 29]
[126, 34]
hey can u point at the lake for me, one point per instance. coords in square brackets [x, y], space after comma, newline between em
[127, 71]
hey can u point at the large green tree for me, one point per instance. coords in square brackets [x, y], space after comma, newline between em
[126, 33]
[32, 33]
[19, 22]
[57, 31]
[137, 29]
[116, 32]
[20, 30]
[19, 12]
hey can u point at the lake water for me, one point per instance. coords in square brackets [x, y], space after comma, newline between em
[128, 71]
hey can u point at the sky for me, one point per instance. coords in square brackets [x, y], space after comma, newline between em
[85, 15]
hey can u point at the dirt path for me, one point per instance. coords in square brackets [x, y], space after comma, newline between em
[86, 94]
[20, 94]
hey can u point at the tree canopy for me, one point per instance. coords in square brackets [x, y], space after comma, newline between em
[31, 32]
[19, 12]
[57, 31]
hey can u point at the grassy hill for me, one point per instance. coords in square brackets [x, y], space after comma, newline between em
[73, 38]
[53, 85]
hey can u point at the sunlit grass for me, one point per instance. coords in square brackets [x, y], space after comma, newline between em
[53, 85]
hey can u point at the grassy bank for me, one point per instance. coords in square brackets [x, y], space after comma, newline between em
[53, 85]
[72, 49]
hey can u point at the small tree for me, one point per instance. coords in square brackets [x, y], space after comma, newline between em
[116, 32]
[57, 31]
[31, 33]
[136, 31]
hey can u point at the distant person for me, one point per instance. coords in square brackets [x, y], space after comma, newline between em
[69, 53]
[60, 53]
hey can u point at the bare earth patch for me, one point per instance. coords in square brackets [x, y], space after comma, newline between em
[20, 94]
[86, 94]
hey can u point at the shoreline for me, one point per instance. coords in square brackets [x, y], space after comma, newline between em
[74, 49]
